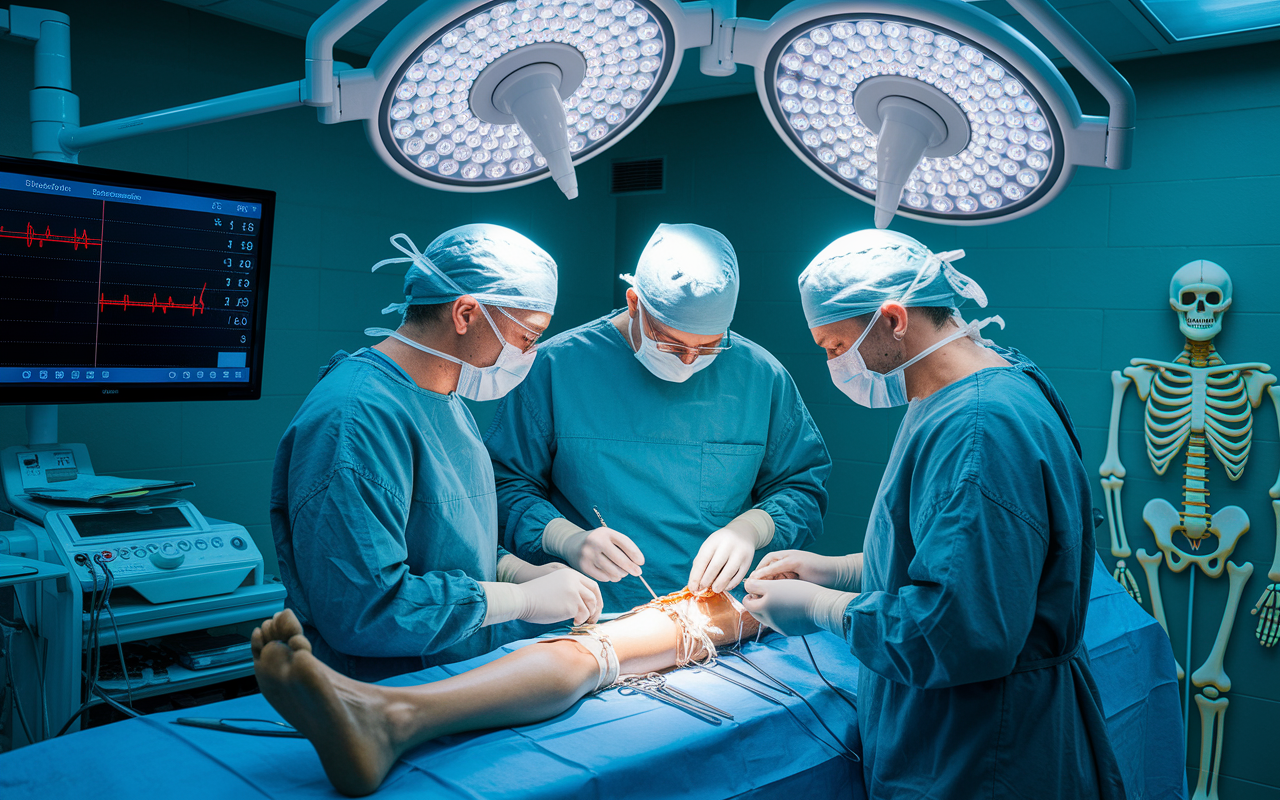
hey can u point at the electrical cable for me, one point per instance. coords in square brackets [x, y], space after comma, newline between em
[89, 685]
[845, 751]
[39, 655]
[818, 670]
[17, 699]
[115, 703]
[124, 668]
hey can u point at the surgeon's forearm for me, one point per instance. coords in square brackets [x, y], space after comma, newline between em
[828, 607]
[849, 573]
[562, 538]
[756, 525]
[797, 515]
[504, 602]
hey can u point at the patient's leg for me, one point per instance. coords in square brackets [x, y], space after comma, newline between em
[359, 729]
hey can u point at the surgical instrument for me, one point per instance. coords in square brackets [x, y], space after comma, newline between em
[283, 731]
[655, 686]
[600, 517]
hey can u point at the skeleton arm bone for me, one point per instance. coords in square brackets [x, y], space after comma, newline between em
[1112, 471]
[1268, 605]
[1275, 403]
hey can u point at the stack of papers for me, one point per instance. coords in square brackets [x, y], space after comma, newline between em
[105, 489]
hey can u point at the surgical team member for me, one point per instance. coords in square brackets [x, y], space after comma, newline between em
[691, 442]
[382, 501]
[967, 606]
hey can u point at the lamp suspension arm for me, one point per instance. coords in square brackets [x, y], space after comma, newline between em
[317, 89]
[244, 104]
[1097, 70]
[321, 39]
[716, 56]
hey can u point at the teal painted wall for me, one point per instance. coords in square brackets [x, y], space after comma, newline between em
[1082, 283]
[337, 204]
[1083, 286]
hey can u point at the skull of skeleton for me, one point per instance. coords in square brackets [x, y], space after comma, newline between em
[1200, 292]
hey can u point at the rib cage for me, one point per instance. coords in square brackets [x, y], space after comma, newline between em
[1221, 401]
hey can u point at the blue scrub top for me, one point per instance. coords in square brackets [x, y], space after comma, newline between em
[978, 561]
[666, 463]
[384, 519]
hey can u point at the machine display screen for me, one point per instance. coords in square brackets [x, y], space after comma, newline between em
[122, 286]
[109, 523]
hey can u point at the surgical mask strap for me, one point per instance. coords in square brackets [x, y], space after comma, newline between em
[419, 259]
[961, 284]
[413, 344]
[966, 330]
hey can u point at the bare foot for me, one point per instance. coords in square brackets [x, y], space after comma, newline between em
[345, 720]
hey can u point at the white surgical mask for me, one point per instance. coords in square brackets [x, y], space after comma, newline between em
[666, 366]
[479, 383]
[872, 389]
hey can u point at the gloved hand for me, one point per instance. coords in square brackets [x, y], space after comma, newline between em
[834, 572]
[513, 569]
[602, 553]
[794, 608]
[559, 595]
[724, 558]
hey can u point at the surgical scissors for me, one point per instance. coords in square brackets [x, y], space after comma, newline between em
[655, 685]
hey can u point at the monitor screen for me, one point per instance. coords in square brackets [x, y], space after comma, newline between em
[117, 286]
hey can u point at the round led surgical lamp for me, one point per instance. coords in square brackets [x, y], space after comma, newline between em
[936, 111]
[484, 96]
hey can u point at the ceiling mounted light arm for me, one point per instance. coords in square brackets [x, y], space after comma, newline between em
[322, 37]
[317, 89]
[1097, 70]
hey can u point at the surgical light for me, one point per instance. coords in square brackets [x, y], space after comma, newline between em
[501, 94]
[932, 109]
[935, 111]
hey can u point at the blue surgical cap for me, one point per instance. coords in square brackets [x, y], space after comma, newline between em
[493, 264]
[858, 273]
[687, 278]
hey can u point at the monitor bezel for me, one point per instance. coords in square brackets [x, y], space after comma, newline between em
[12, 394]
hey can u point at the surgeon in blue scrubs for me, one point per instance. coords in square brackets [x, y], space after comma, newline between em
[691, 442]
[383, 505]
[966, 608]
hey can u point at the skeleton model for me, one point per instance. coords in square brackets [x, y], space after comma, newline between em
[1200, 401]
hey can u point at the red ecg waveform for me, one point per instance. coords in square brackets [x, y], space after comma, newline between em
[196, 304]
[76, 239]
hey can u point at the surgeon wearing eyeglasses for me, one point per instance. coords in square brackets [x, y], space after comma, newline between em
[689, 440]
[382, 502]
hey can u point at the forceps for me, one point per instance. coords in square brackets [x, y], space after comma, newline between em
[656, 686]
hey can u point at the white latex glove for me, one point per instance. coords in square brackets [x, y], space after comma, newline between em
[724, 558]
[561, 594]
[601, 553]
[794, 608]
[513, 569]
[834, 572]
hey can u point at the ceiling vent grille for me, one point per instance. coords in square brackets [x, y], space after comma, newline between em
[641, 176]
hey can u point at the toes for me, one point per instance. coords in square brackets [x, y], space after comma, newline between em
[299, 643]
[255, 642]
[287, 625]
